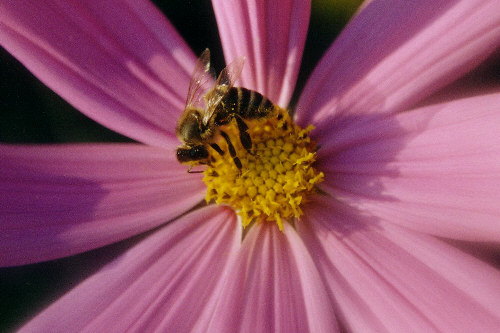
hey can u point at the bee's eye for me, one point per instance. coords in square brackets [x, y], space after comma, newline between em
[190, 127]
[199, 152]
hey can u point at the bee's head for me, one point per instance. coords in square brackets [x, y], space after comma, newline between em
[189, 128]
[196, 153]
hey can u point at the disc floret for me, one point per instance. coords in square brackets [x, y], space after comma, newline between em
[276, 175]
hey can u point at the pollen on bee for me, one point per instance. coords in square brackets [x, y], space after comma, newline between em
[276, 175]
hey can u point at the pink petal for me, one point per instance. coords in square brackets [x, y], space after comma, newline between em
[119, 62]
[395, 53]
[271, 35]
[434, 169]
[161, 284]
[56, 201]
[385, 278]
[272, 286]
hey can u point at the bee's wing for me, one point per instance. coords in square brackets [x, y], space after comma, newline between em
[231, 73]
[202, 76]
[225, 81]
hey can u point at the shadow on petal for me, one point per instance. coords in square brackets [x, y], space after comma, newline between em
[357, 154]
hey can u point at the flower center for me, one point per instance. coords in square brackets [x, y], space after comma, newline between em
[275, 176]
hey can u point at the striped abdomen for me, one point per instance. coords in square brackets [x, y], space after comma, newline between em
[248, 104]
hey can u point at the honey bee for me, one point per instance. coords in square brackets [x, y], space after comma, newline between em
[200, 125]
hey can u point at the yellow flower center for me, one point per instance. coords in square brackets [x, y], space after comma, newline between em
[275, 177]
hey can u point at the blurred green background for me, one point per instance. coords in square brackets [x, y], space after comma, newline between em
[32, 113]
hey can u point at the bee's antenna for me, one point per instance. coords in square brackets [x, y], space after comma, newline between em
[197, 171]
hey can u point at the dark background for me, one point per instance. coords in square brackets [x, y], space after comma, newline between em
[32, 113]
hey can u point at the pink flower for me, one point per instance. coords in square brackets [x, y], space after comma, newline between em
[369, 255]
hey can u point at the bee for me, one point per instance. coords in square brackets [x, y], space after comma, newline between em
[200, 125]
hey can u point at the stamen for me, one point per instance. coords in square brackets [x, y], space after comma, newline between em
[275, 175]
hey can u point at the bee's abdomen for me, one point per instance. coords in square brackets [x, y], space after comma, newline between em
[247, 103]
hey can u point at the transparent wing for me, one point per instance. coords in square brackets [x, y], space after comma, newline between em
[231, 73]
[200, 80]
[227, 77]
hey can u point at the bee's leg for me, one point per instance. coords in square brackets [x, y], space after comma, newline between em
[284, 126]
[217, 149]
[245, 138]
[230, 146]
[232, 151]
